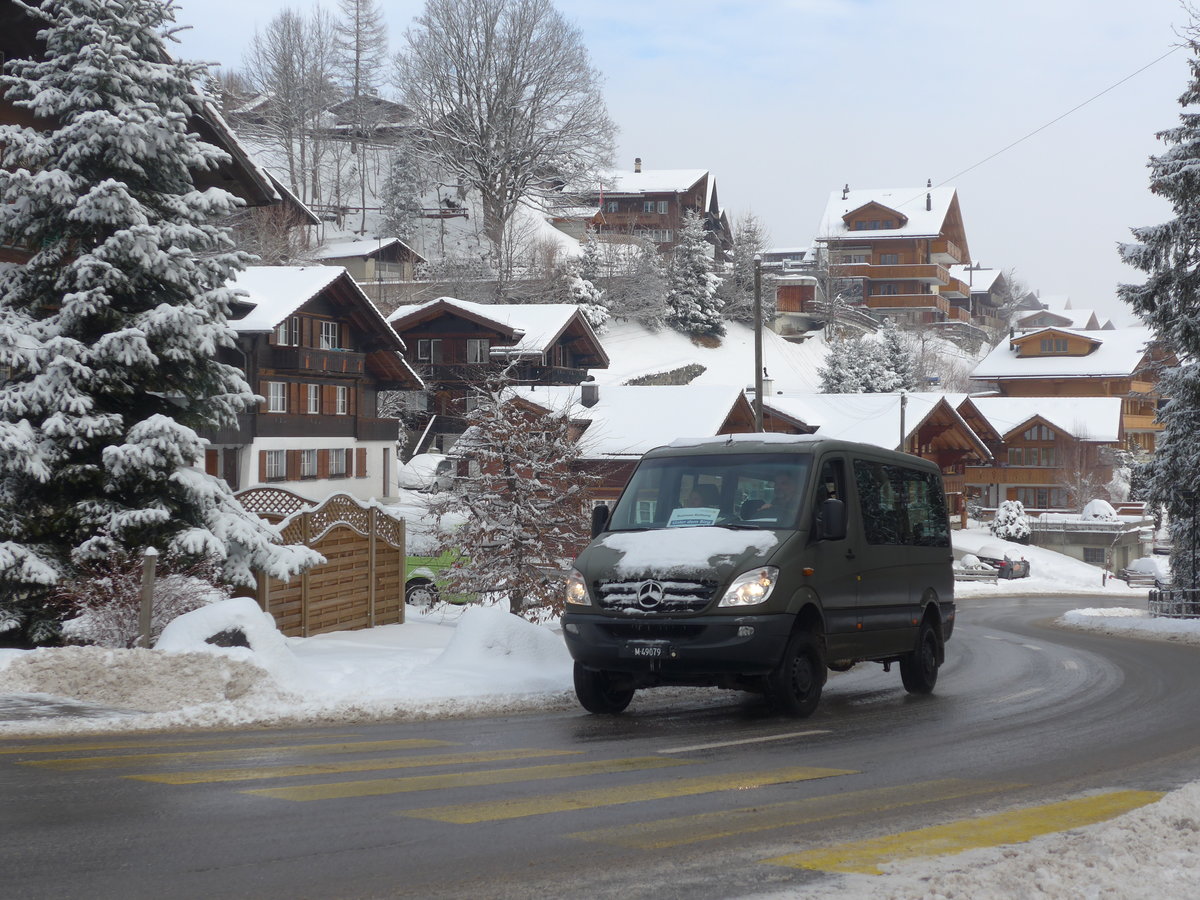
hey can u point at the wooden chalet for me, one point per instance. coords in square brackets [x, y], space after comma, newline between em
[457, 344]
[897, 247]
[369, 262]
[318, 353]
[1059, 362]
[650, 203]
[1050, 453]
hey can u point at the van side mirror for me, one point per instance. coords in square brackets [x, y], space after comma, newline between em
[599, 518]
[831, 520]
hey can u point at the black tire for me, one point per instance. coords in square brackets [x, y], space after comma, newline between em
[919, 669]
[600, 692]
[421, 592]
[794, 687]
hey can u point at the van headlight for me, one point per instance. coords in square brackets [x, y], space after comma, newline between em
[577, 591]
[751, 588]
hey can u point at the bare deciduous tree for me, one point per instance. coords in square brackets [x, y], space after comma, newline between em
[360, 45]
[508, 97]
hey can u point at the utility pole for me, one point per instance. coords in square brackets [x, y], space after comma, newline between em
[758, 348]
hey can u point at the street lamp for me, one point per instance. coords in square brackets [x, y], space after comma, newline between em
[758, 347]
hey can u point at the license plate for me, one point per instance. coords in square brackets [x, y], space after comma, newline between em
[648, 649]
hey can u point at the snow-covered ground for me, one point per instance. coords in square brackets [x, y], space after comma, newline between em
[484, 661]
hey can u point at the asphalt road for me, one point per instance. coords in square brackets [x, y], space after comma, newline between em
[692, 794]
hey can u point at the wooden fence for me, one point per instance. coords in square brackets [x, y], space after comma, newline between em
[361, 583]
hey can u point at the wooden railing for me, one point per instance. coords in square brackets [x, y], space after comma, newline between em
[929, 274]
[908, 301]
[339, 362]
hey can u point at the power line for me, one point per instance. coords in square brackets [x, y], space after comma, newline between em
[1073, 109]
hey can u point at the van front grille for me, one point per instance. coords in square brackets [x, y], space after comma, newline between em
[650, 596]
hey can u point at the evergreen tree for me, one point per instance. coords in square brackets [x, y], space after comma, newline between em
[855, 366]
[898, 362]
[589, 298]
[524, 515]
[400, 195]
[693, 304]
[737, 288]
[109, 332]
[590, 268]
[640, 291]
[1169, 303]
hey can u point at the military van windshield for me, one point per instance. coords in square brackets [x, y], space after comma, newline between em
[750, 490]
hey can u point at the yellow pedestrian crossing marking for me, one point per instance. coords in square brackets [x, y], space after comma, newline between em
[662, 834]
[136, 759]
[382, 786]
[470, 813]
[209, 776]
[1012, 827]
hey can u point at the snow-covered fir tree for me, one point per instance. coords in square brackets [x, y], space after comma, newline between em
[737, 288]
[898, 360]
[639, 292]
[693, 303]
[1010, 522]
[400, 194]
[855, 366]
[590, 299]
[525, 513]
[1169, 303]
[591, 266]
[109, 332]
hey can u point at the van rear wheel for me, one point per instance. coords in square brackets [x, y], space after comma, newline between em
[919, 669]
[794, 686]
[601, 692]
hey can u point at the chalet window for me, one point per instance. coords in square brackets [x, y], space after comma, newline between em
[1042, 498]
[1094, 555]
[314, 399]
[860, 225]
[1040, 433]
[308, 463]
[889, 290]
[276, 397]
[649, 206]
[330, 335]
[611, 206]
[889, 259]
[337, 463]
[1032, 456]
[276, 465]
[477, 350]
[1054, 345]
[854, 259]
[343, 400]
[429, 350]
[287, 332]
[663, 206]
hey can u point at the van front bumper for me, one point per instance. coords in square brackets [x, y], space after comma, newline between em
[691, 650]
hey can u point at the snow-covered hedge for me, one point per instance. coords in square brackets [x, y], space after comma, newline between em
[1011, 523]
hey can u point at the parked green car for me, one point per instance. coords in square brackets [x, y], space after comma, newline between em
[425, 579]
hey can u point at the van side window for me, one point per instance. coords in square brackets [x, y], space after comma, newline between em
[901, 506]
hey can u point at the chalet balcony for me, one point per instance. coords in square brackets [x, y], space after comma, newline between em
[285, 425]
[312, 359]
[524, 373]
[909, 301]
[1038, 475]
[954, 484]
[959, 290]
[959, 314]
[1141, 423]
[925, 274]
[946, 252]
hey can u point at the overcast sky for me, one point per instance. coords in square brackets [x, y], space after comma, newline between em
[785, 101]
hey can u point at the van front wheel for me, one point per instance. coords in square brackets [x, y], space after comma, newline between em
[794, 687]
[919, 669]
[600, 692]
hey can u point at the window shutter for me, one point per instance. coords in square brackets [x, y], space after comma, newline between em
[293, 397]
[264, 392]
[349, 457]
[322, 463]
[293, 465]
[360, 462]
[211, 466]
[328, 399]
[262, 466]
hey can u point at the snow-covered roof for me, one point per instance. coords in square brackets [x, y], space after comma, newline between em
[627, 420]
[650, 181]
[1119, 352]
[635, 351]
[538, 324]
[278, 291]
[359, 248]
[910, 202]
[1080, 319]
[866, 418]
[1085, 418]
[979, 279]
